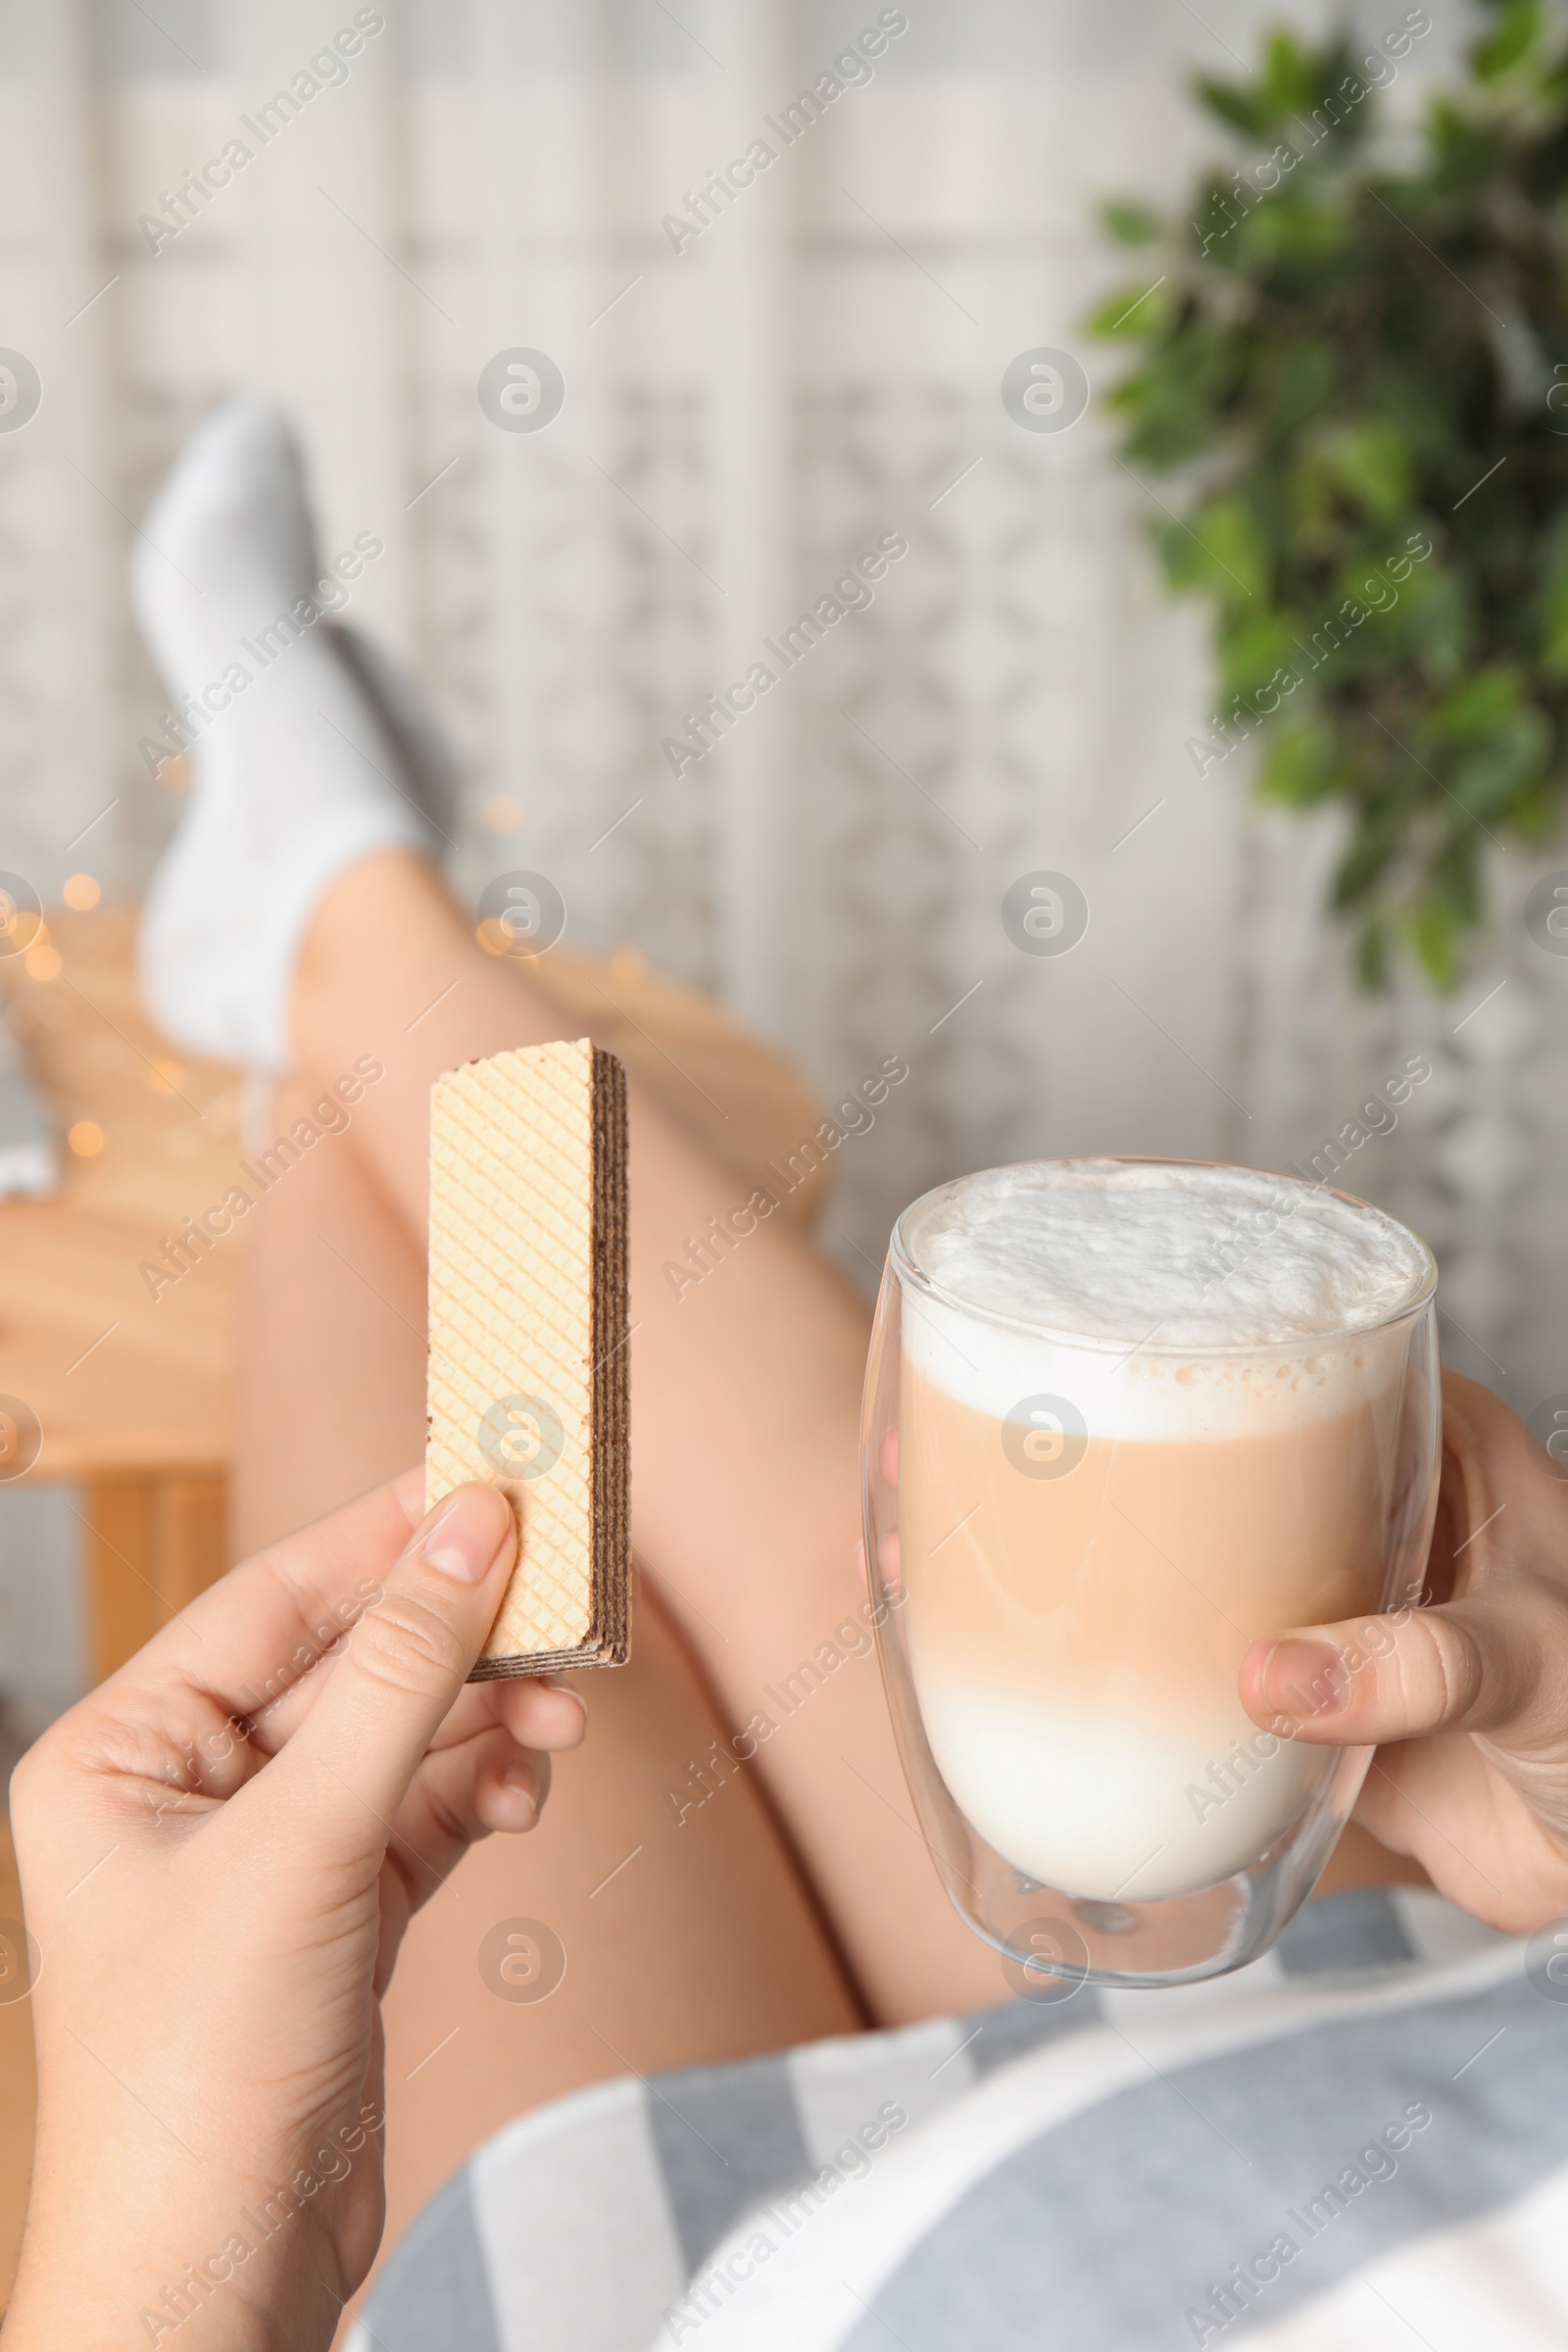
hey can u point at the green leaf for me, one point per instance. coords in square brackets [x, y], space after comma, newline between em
[1514, 38]
[1480, 706]
[1448, 128]
[1232, 103]
[1434, 928]
[1290, 81]
[1368, 857]
[1372, 954]
[1294, 382]
[1363, 467]
[1292, 231]
[1137, 312]
[1226, 553]
[1371, 464]
[1534, 814]
[1554, 600]
[1444, 619]
[1455, 878]
[1256, 645]
[1495, 770]
[1130, 223]
[1297, 763]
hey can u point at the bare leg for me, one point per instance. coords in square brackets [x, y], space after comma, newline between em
[745, 1396]
[330, 1372]
[704, 1944]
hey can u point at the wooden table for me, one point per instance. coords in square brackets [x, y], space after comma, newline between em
[133, 1395]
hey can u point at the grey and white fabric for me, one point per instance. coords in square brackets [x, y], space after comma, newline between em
[1359, 2142]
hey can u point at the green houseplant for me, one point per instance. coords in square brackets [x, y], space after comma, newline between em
[1353, 358]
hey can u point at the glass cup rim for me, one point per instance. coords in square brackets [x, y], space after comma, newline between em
[915, 1276]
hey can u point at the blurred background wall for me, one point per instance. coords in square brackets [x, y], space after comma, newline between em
[743, 416]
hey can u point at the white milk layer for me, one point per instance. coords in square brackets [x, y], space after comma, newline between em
[1092, 1280]
[1104, 1803]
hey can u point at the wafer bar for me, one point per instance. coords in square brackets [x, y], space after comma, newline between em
[528, 1376]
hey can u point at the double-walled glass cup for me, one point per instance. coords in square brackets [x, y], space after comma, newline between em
[1074, 1543]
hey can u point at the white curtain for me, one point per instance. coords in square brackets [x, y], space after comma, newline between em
[747, 410]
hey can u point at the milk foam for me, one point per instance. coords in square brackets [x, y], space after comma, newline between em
[1159, 1301]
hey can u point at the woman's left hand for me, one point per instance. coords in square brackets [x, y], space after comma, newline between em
[219, 1850]
[1466, 1700]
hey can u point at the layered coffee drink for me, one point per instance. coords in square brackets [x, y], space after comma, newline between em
[1150, 1413]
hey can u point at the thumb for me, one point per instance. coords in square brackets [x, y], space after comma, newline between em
[1470, 1665]
[347, 1767]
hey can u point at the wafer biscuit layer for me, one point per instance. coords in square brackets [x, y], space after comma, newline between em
[528, 1380]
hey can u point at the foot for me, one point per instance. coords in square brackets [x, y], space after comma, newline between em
[300, 766]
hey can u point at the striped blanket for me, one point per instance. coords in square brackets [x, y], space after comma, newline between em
[1359, 2142]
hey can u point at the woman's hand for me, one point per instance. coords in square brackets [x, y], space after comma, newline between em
[1466, 1700]
[219, 1850]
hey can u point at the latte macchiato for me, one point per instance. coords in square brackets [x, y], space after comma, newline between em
[1150, 1413]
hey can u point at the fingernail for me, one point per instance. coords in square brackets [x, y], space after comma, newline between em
[518, 1778]
[1304, 1679]
[465, 1544]
[559, 1682]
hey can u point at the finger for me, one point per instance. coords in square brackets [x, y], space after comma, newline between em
[254, 1636]
[348, 1768]
[1473, 1665]
[199, 1709]
[269, 1734]
[1472, 1522]
[460, 1794]
[547, 1714]
[518, 1721]
[510, 1797]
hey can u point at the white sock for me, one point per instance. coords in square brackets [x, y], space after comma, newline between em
[302, 773]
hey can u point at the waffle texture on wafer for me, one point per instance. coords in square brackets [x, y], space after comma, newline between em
[528, 1377]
